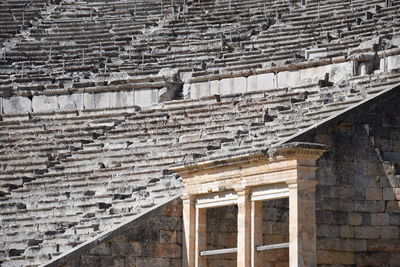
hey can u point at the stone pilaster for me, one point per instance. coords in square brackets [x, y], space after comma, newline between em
[189, 227]
[256, 231]
[244, 228]
[201, 237]
[302, 227]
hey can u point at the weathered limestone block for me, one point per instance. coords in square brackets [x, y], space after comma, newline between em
[16, 104]
[392, 62]
[137, 248]
[341, 244]
[233, 85]
[380, 219]
[384, 245]
[377, 258]
[335, 257]
[166, 251]
[366, 232]
[252, 83]
[187, 87]
[266, 81]
[392, 206]
[336, 204]
[388, 194]
[194, 90]
[369, 206]
[340, 71]
[146, 97]
[152, 262]
[167, 236]
[221, 263]
[44, 103]
[362, 180]
[91, 101]
[316, 53]
[288, 78]
[122, 99]
[239, 85]
[173, 211]
[390, 232]
[101, 250]
[347, 231]
[90, 260]
[225, 86]
[199, 90]
[331, 217]
[214, 87]
[355, 219]
[313, 75]
[326, 230]
[121, 249]
[71, 102]
[373, 193]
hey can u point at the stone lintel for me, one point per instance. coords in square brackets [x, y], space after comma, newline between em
[284, 164]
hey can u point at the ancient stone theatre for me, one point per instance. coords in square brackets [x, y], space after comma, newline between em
[200, 133]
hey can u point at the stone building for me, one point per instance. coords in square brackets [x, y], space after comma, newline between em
[200, 133]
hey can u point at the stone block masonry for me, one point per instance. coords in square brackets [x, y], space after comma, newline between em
[356, 205]
[153, 239]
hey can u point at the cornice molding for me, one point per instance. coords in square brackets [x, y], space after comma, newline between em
[290, 151]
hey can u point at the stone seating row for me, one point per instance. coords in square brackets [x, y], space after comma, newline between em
[90, 58]
[16, 15]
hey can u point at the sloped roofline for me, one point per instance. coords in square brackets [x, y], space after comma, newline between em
[342, 114]
[91, 243]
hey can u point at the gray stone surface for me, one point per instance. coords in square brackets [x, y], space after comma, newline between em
[70, 102]
[146, 97]
[43, 103]
[121, 99]
[16, 104]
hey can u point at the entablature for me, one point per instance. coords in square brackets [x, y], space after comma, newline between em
[288, 163]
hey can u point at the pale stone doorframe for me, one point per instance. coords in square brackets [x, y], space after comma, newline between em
[286, 172]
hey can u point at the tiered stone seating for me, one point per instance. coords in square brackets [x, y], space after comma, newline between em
[78, 42]
[18, 15]
[68, 176]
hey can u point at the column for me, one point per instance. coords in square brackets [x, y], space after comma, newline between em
[189, 231]
[201, 237]
[302, 226]
[256, 232]
[244, 229]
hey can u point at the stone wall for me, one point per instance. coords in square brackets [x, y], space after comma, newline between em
[357, 197]
[153, 239]
[267, 79]
[339, 70]
[80, 101]
[275, 231]
[222, 233]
